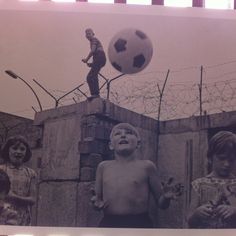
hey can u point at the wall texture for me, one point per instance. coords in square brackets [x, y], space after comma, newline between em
[75, 139]
[69, 142]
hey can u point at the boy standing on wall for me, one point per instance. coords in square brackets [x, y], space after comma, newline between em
[123, 185]
[99, 60]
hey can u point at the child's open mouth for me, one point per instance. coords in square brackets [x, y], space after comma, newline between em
[123, 142]
[18, 156]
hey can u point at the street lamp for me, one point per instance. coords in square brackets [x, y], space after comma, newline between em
[15, 76]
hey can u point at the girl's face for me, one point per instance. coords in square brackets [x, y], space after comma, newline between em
[17, 153]
[223, 164]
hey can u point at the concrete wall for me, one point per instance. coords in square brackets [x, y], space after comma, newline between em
[182, 154]
[75, 139]
[69, 142]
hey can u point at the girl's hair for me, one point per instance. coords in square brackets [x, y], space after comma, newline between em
[17, 139]
[221, 142]
[5, 183]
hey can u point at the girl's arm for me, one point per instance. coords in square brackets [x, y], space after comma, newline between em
[29, 200]
[198, 213]
[227, 212]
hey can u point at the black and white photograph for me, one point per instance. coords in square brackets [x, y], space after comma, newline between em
[117, 115]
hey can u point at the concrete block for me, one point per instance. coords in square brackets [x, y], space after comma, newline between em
[86, 215]
[92, 160]
[87, 174]
[93, 146]
[57, 204]
[96, 106]
[96, 132]
[60, 157]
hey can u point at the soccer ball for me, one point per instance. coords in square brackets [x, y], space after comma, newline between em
[130, 51]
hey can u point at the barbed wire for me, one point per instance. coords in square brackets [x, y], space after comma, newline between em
[180, 100]
[181, 97]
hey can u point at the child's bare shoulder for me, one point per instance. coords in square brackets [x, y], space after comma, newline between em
[148, 164]
[105, 164]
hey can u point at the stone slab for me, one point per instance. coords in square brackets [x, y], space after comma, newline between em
[57, 204]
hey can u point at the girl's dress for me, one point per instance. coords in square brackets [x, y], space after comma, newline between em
[216, 191]
[21, 179]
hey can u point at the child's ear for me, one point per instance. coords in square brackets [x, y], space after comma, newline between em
[111, 146]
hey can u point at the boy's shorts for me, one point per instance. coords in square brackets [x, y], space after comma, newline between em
[126, 221]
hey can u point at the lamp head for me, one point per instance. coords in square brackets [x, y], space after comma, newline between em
[11, 73]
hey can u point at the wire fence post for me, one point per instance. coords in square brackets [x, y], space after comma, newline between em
[108, 83]
[161, 92]
[200, 92]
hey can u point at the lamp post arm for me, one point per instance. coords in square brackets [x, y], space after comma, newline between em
[15, 76]
[40, 106]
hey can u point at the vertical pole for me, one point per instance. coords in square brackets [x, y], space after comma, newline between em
[198, 3]
[161, 92]
[120, 1]
[161, 95]
[158, 2]
[200, 91]
[188, 177]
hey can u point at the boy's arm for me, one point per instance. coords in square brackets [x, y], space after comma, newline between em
[97, 199]
[154, 181]
[92, 51]
[165, 193]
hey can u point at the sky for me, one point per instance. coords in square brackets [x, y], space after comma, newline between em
[46, 42]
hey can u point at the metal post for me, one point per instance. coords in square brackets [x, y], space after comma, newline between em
[120, 1]
[200, 91]
[161, 92]
[108, 83]
[198, 3]
[158, 2]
